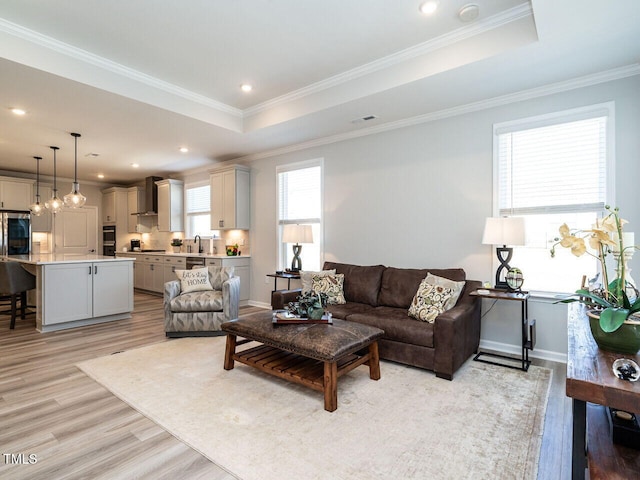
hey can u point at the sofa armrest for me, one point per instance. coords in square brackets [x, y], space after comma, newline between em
[457, 333]
[280, 298]
[231, 298]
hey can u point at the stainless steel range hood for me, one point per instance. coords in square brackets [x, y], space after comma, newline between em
[151, 197]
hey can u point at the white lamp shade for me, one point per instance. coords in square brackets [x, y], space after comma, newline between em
[503, 231]
[297, 234]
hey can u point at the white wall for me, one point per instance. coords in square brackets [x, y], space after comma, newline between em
[418, 197]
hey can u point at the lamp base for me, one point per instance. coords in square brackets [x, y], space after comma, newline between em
[296, 263]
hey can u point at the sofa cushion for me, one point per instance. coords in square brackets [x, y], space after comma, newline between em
[361, 283]
[429, 301]
[331, 285]
[397, 325]
[399, 285]
[207, 301]
[456, 288]
[306, 278]
[343, 311]
[195, 280]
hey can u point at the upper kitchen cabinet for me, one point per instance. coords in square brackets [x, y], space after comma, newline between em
[16, 194]
[114, 206]
[136, 206]
[170, 201]
[230, 193]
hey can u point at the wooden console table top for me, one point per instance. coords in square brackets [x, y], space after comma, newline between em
[590, 378]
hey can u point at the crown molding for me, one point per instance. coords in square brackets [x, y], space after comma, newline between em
[462, 33]
[84, 56]
[559, 87]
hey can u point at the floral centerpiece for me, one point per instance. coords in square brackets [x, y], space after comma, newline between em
[615, 299]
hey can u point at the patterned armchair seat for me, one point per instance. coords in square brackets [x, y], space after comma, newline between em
[200, 313]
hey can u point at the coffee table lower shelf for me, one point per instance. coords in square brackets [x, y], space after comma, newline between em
[315, 374]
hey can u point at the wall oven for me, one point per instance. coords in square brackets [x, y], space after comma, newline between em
[109, 241]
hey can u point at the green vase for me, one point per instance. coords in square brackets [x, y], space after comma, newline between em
[624, 340]
[315, 313]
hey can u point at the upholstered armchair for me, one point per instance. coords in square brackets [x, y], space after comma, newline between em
[200, 313]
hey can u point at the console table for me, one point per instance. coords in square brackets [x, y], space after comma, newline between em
[528, 328]
[590, 378]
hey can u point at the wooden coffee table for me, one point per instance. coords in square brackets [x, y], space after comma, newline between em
[312, 355]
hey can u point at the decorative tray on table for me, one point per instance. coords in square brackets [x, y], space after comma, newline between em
[285, 318]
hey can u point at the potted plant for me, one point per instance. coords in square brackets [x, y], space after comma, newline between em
[176, 243]
[614, 302]
[309, 305]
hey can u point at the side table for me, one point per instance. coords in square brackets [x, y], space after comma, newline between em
[528, 338]
[288, 276]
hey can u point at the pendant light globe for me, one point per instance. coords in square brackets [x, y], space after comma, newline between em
[37, 208]
[75, 199]
[54, 203]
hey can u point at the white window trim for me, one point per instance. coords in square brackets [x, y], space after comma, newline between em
[601, 109]
[288, 168]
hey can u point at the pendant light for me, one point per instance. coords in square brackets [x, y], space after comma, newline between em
[54, 204]
[37, 208]
[75, 199]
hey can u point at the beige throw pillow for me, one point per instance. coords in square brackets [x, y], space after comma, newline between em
[332, 285]
[195, 280]
[456, 288]
[429, 301]
[305, 278]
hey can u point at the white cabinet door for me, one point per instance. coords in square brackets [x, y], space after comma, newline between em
[76, 230]
[67, 292]
[230, 198]
[112, 288]
[15, 195]
[109, 207]
[138, 273]
[170, 201]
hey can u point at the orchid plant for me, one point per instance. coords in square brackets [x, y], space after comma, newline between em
[611, 298]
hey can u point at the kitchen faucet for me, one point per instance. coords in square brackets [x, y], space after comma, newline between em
[199, 243]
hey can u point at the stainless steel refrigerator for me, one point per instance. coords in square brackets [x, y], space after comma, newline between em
[15, 237]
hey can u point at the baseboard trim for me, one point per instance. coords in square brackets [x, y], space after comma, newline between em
[515, 350]
[254, 303]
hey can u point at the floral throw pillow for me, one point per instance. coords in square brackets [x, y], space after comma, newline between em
[332, 285]
[195, 280]
[429, 301]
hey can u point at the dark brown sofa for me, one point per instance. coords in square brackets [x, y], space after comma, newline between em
[380, 296]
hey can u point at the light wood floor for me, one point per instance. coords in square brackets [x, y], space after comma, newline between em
[77, 429]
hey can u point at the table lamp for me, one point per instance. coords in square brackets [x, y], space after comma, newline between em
[503, 231]
[297, 234]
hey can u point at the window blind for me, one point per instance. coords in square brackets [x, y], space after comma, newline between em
[198, 199]
[300, 195]
[554, 168]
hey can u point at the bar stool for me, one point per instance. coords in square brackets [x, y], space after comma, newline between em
[15, 281]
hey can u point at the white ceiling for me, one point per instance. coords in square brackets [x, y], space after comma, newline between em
[140, 79]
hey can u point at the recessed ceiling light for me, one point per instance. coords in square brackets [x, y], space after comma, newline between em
[100, 175]
[429, 7]
[92, 155]
[135, 165]
[18, 111]
[245, 87]
[184, 149]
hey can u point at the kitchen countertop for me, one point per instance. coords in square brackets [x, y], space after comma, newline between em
[184, 254]
[51, 258]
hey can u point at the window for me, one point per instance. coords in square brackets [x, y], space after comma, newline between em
[552, 170]
[197, 210]
[300, 202]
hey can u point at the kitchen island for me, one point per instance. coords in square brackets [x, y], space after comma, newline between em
[77, 290]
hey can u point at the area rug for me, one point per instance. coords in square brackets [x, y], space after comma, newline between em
[486, 423]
